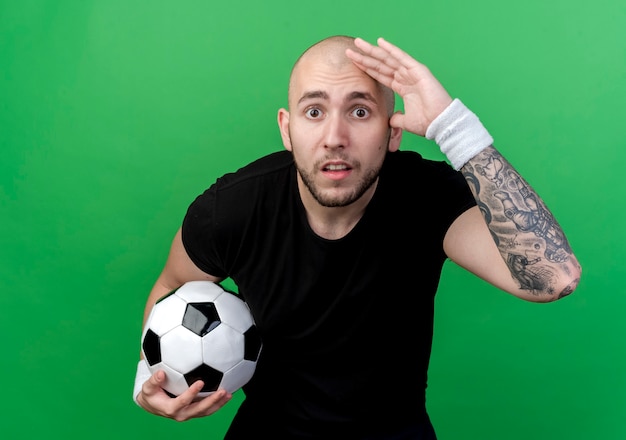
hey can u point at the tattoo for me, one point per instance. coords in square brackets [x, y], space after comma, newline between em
[533, 279]
[569, 289]
[526, 233]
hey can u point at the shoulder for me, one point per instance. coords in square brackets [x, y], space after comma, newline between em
[260, 183]
[410, 165]
[234, 204]
[408, 177]
[272, 166]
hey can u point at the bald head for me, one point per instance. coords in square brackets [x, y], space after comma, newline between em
[331, 52]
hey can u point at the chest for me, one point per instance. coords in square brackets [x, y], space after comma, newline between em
[297, 283]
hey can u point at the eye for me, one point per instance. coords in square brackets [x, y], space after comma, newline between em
[313, 113]
[360, 112]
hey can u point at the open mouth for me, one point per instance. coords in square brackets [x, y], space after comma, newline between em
[336, 167]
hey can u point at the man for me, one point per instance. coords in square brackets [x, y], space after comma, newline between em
[337, 245]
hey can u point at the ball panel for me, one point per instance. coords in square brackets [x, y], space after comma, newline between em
[252, 344]
[201, 318]
[210, 376]
[238, 376]
[223, 348]
[151, 347]
[181, 349]
[199, 291]
[234, 312]
[165, 296]
[175, 382]
[166, 315]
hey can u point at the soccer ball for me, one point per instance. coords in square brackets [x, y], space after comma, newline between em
[201, 331]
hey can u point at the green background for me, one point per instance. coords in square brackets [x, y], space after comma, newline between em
[115, 114]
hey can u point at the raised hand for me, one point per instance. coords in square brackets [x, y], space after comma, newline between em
[424, 97]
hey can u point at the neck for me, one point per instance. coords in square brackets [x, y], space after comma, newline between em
[336, 222]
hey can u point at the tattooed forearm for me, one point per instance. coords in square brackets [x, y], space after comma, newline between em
[526, 233]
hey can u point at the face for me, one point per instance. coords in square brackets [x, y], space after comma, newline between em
[338, 131]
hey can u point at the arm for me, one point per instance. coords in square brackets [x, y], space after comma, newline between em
[510, 239]
[148, 392]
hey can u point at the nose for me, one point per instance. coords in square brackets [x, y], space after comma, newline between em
[336, 132]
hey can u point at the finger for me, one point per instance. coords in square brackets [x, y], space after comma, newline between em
[375, 70]
[203, 407]
[378, 76]
[153, 384]
[213, 402]
[397, 54]
[190, 394]
[397, 120]
[377, 52]
[376, 57]
[404, 62]
[366, 63]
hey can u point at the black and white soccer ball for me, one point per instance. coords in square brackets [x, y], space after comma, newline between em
[201, 331]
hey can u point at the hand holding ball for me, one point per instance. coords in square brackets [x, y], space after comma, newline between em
[201, 331]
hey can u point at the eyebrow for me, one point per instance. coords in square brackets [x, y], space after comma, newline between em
[313, 95]
[316, 94]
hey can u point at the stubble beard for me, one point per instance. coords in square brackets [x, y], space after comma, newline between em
[333, 201]
[328, 201]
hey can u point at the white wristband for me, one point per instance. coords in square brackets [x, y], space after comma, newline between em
[459, 134]
[143, 374]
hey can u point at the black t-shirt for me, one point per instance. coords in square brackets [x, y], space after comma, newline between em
[346, 324]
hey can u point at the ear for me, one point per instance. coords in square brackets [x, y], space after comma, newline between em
[283, 125]
[394, 139]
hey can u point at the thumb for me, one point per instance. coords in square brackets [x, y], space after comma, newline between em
[397, 120]
[159, 376]
[155, 381]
